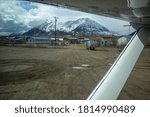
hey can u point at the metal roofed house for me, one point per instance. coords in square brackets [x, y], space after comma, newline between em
[44, 40]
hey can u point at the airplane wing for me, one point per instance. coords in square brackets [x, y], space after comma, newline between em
[131, 10]
[134, 11]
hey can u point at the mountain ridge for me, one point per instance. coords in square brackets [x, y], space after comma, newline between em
[82, 26]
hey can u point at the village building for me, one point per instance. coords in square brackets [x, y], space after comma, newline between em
[72, 40]
[44, 40]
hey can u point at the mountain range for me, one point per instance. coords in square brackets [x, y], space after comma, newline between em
[82, 26]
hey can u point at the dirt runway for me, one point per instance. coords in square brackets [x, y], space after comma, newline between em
[71, 72]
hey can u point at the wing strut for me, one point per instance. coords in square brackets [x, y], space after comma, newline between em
[112, 83]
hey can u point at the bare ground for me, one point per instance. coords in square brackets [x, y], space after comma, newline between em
[47, 73]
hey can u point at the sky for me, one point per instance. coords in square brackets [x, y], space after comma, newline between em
[17, 15]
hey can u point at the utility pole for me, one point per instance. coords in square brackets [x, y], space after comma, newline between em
[55, 28]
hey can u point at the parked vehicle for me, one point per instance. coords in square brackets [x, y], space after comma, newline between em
[90, 45]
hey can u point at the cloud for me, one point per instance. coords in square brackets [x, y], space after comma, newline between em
[27, 5]
[9, 11]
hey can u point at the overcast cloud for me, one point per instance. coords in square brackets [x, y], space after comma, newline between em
[29, 14]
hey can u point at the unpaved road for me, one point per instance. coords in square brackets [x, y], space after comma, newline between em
[47, 73]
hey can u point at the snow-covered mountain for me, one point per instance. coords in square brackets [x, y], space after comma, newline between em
[82, 26]
[47, 26]
[89, 27]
